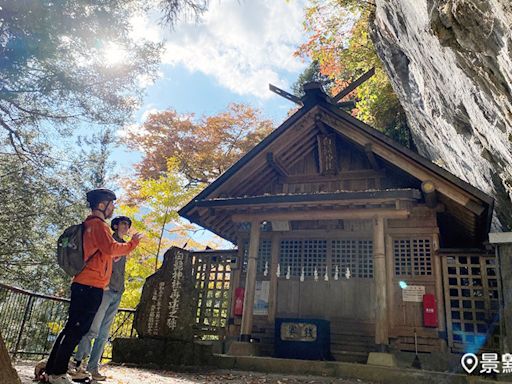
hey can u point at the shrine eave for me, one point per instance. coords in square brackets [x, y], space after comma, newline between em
[394, 194]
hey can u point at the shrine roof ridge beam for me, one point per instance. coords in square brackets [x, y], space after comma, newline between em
[412, 194]
[285, 94]
[331, 214]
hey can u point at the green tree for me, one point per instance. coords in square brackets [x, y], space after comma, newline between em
[311, 73]
[37, 201]
[68, 61]
[59, 74]
[96, 150]
[56, 71]
[34, 208]
[158, 219]
[340, 44]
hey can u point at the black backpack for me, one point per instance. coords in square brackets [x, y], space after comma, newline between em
[70, 250]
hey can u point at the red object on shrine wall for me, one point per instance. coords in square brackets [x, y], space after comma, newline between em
[429, 310]
[239, 302]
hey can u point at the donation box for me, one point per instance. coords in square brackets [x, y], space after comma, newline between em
[307, 339]
[239, 302]
[429, 311]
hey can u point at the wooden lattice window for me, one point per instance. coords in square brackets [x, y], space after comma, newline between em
[264, 255]
[413, 257]
[290, 256]
[356, 255]
[212, 273]
[314, 256]
[472, 295]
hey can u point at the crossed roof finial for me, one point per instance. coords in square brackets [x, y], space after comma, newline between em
[313, 91]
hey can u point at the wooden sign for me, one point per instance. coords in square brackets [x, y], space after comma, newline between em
[327, 154]
[298, 332]
[413, 293]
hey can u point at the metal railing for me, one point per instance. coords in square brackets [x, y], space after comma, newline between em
[30, 322]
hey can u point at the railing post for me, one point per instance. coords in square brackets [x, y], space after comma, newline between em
[133, 321]
[25, 317]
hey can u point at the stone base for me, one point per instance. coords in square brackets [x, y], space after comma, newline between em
[160, 352]
[242, 348]
[433, 361]
[382, 359]
[504, 377]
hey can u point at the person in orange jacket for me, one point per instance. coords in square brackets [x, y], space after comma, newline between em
[88, 285]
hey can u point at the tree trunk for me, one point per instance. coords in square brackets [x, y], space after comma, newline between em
[7, 373]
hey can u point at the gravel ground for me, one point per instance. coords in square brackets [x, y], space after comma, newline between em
[130, 375]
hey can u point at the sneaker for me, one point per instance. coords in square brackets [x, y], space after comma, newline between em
[96, 375]
[79, 373]
[59, 379]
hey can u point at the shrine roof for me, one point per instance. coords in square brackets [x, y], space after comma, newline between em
[394, 194]
[240, 184]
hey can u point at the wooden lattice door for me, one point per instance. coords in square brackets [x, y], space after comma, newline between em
[471, 300]
[213, 282]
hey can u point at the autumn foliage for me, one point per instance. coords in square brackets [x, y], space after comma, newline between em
[180, 156]
[203, 148]
[339, 42]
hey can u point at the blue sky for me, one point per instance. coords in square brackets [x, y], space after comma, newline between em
[230, 55]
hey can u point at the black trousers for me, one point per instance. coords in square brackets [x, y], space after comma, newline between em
[85, 301]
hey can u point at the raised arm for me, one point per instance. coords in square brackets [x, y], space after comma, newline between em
[108, 246]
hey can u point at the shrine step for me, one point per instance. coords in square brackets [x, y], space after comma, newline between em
[350, 356]
[353, 342]
[353, 346]
[348, 337]
[266, 349]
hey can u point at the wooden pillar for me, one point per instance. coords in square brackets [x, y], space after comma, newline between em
[436, 258]
[381, 308]
[272, 305]
[390, 275]
[234, 282]
[250, 282]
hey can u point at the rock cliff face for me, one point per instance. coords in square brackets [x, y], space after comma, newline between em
[450, 62]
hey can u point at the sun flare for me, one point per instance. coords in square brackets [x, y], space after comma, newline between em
[114, 54]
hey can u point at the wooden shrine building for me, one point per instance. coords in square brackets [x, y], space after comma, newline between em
[335, 221]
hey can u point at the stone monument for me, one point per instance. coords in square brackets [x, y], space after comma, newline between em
[165, 318]
[169, 296]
